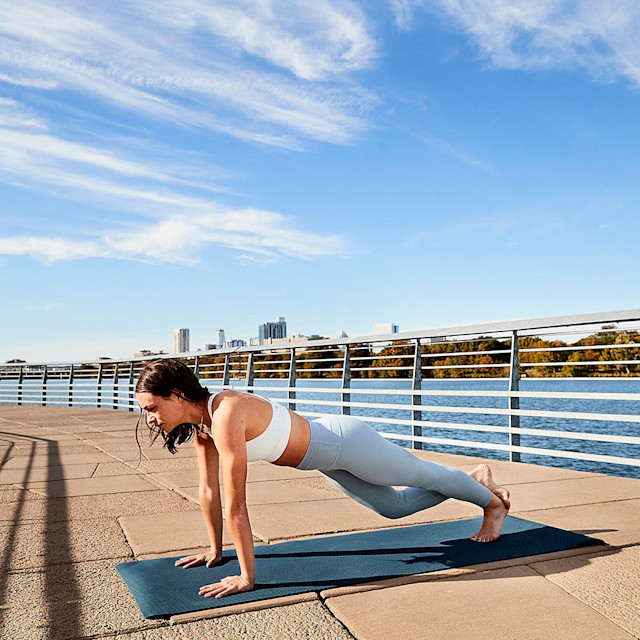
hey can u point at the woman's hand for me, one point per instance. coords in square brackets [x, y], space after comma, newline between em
[226, 586]
[199, 558]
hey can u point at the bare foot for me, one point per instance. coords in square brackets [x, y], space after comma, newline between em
[494, 514]
[482, 473]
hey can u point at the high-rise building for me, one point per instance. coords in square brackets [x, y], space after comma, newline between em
[385, 327]
[233, 343]
[180, 340]
[220, 337]
[277, 329]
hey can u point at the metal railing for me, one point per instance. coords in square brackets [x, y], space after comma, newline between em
[411, 385]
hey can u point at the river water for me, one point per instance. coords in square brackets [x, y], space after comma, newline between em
[32, 391]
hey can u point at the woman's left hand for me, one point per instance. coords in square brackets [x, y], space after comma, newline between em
[226, 586]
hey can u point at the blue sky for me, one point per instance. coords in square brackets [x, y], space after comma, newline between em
[217, 164]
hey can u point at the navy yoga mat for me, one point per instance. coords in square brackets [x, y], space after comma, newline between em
[162, 589]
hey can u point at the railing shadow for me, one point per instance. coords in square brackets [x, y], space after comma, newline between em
[60, 577]
[6, 456]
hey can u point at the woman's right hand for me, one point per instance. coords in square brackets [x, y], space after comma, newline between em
[197, 559]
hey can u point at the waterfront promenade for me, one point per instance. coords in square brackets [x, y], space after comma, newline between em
[73, 506]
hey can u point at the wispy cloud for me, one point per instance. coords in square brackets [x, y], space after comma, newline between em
[180, 220]
[404, 11]
[269, 73]
[262, 236]
[16, 115]
[449, 148]
[599, 37]
[313, 40]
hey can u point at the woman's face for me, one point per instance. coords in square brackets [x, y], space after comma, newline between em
[163, 413]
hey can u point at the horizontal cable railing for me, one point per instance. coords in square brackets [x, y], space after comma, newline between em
[538, 388]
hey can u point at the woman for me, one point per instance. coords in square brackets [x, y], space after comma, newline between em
[233, 428]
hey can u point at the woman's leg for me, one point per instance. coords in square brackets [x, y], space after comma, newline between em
[387, 501]
[368, 466]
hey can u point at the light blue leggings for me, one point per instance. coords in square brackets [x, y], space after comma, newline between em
[365, 466]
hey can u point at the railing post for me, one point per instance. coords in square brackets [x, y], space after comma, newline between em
[249, 378]
[130, 391]
[196, 367]
[417, 399]
[99, 388]
[346, 380]
[20, 378]
[70, 391]
[115, 386]
[225, 371]
[44, 386]
[514, 401]
[292, 379]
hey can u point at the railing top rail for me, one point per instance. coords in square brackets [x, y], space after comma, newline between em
[436, 332]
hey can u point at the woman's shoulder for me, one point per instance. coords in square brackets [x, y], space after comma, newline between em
[229, 400]
[229, 394]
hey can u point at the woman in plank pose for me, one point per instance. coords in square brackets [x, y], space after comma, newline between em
[233, 428]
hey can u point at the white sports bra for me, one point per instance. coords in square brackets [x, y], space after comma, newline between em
[272, 442]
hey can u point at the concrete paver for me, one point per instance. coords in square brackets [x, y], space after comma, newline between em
[506, 603]
[609, 583]
[156, 533]
[566, 493]
[46, 474]
[90, 486]
[507, 473]
[55, 460]
[110, 469]
[177, 479]
[10, 494]
[219, 612]
[616, 523]
[44, 448]
[320, 483]
[39, 544]
[52, 436]
[303, 621]
[69, 601]
[98, 506]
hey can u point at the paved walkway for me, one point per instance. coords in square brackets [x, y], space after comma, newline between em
[72, 506]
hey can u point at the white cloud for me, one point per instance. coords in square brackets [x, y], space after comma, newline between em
[32, 83]
[262, 234]
[313, 40]
[194, 63]
[597, 36]
[265, 236]
[178, 226]
[49, 159]
[453, 150]
[404, 11]
[16, 115]
[50, 250]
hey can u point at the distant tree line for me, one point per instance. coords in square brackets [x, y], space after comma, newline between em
[484, 357]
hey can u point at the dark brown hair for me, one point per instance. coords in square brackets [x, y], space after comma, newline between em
[162, 378]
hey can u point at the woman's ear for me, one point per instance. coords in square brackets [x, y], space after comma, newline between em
[178, 394]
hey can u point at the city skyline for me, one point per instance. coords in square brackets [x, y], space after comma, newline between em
[437, 163]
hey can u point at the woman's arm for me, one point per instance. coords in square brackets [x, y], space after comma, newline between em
[229, 435]
[209, 491]
[209, 498]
